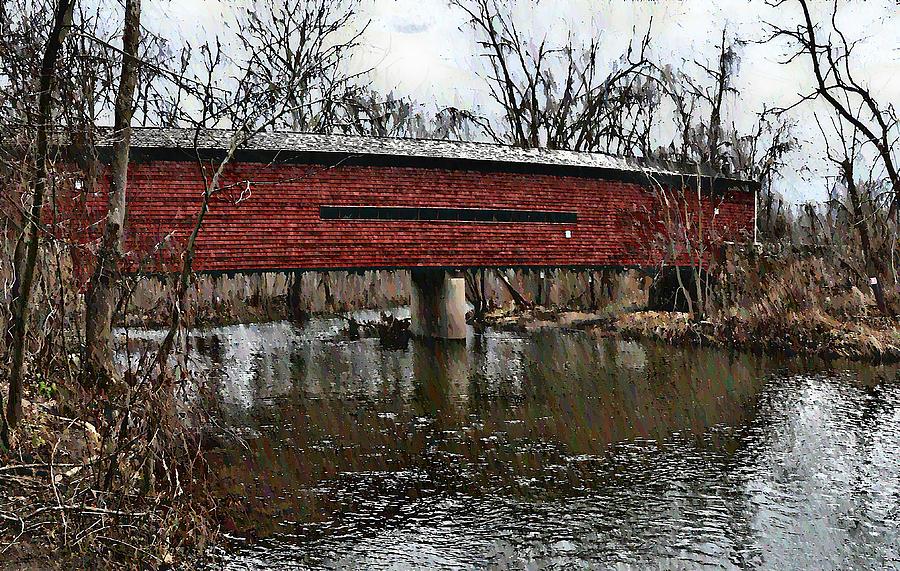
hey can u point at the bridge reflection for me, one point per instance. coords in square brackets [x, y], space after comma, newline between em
[557, 448]
[501, 413]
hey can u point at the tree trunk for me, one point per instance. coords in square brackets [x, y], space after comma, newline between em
[863, 228]
[103, 289]
[591, 291]
[294, 296]
[326, 285]
[606, 283]
[61, 24]
[484, 298]
[471, 279]
[18, 255]
[518, 299]
[715, 119]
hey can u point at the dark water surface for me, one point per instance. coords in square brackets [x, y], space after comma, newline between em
[553, 450]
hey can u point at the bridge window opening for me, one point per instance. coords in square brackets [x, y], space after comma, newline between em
[431, 214]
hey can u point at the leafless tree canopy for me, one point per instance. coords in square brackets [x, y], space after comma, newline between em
[830, 55]
[541, 106]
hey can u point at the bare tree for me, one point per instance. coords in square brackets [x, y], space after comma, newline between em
[309, 43]
[367, 112]
[256, 89]
[102, 292]
[61, 24]
[701, 132]
[835, 83]
[705, 140]
[760, 155]
[556, 97]
[845, 158]
[83, 94]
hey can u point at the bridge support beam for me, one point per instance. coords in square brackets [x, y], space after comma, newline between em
[437, 304]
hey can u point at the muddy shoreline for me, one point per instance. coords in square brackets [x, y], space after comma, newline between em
[812, 334]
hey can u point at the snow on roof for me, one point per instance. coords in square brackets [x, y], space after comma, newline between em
[290, 141]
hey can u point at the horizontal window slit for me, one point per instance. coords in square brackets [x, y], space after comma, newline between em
[427, 213]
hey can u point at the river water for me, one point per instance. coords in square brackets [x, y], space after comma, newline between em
[550, 450]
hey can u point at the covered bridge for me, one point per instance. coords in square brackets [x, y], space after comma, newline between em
[299, 201]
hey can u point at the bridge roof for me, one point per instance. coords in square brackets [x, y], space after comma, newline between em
[459, 154]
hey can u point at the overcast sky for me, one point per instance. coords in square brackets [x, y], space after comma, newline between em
[423, 49]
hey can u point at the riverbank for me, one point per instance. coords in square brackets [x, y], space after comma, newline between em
[809, 333]
[55, 512]
[60, 508]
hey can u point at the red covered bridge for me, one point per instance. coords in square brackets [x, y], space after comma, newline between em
[294, 201]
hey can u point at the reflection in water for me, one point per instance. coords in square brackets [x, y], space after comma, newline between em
[553, 450]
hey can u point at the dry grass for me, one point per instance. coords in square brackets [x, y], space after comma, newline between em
[56, 513]
[792, 302]
[808, 333]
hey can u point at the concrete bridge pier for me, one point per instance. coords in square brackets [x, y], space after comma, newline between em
[437, 304]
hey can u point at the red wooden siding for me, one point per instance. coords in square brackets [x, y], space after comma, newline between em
[267, 217]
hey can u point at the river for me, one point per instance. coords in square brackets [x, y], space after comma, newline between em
[551, 450]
